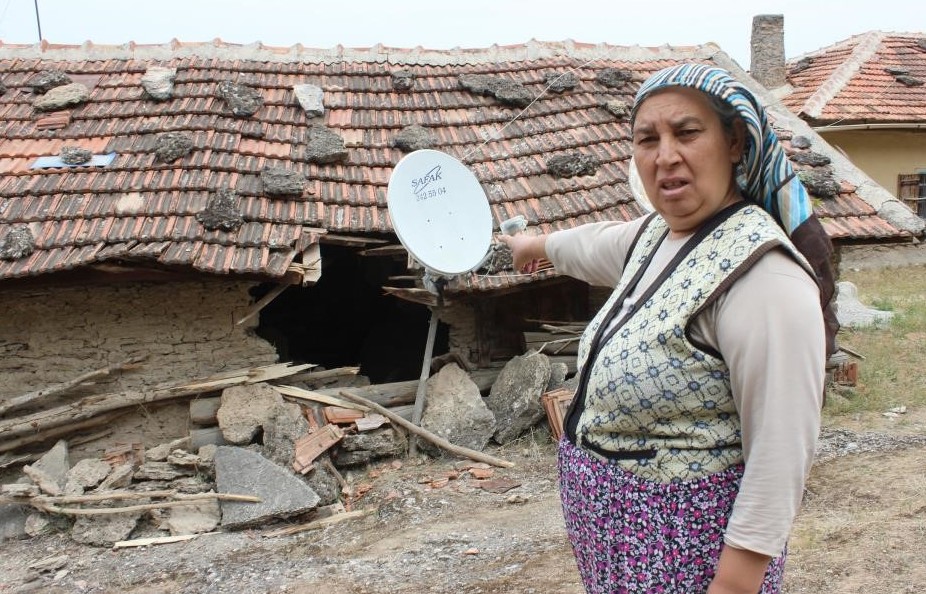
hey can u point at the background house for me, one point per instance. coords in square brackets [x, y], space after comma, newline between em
[154, 198]
[866, 96]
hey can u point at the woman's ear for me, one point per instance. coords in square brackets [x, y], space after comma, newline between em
[738, 140]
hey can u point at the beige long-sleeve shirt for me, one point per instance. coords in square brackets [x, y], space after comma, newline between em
[769, 328]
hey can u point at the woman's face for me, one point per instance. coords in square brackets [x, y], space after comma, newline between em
[685, 158]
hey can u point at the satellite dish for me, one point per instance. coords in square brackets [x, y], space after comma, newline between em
[637, 189]
[440, 212]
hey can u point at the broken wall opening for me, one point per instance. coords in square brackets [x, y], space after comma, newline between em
[346, 319]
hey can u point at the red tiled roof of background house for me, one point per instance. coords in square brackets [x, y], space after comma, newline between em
[875, 77]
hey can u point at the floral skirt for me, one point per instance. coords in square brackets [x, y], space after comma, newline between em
[635, 536]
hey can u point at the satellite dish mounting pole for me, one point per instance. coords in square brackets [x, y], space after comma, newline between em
[421, 391]
[442, 216]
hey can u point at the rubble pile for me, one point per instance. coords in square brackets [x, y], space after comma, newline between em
[265, 445]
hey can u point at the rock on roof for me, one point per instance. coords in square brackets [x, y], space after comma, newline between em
[210, 119]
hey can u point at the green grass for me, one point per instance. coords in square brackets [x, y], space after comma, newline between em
[893, 372]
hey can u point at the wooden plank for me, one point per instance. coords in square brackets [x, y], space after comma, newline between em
[335, 519]
[262, 303]
[25, 399]
[313, 445]
[157, 540]
[326, 374]
[555, 403]
[317, 396]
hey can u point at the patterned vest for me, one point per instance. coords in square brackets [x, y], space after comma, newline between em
[654, 402]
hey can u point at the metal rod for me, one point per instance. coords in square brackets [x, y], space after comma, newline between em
[422, 381]
[38, 22]
[421, 391]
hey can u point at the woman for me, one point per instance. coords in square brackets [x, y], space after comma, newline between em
[694, 424]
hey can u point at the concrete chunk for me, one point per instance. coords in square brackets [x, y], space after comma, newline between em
[16, 244]
[51, 470]
[47, 80]
[852, 313]
[281, 431]
[245, 410]
[195, 518]
[61, 97]
[120, 477]
[105, 530]
[161, 452]
[324, 146]
[311, 98]
[13, 521]
[278, 181]
[413, 138]
[243, 100]
[242, 472]
[158, 82]
[86, 474]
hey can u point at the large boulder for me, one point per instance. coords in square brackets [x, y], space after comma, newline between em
[455, 410]
[515, 396]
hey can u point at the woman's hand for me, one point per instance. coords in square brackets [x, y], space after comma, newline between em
[739, 572]
[526, 250]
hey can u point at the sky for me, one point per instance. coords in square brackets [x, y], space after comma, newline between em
[444, 24]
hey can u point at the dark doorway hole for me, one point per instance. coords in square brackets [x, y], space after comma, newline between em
[346, 319]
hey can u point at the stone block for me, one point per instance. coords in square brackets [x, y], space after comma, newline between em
[242, 472]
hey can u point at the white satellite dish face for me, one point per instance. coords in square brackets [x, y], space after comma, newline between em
[440, 212]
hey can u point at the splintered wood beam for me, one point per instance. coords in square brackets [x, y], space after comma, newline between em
[59, 431]
[156, 540]
[50, 504]
[311, 376]
[92, 406]
[335, 519]
[262, 303]
[301, 394]
[386, 250]
[25, 399]
[350, 240]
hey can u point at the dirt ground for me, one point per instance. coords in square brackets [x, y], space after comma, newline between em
[862, 529]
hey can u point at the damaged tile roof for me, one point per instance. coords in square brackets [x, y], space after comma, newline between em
[186, 143]
[875, 77]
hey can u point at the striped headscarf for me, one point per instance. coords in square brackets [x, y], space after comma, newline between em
[767, 176]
